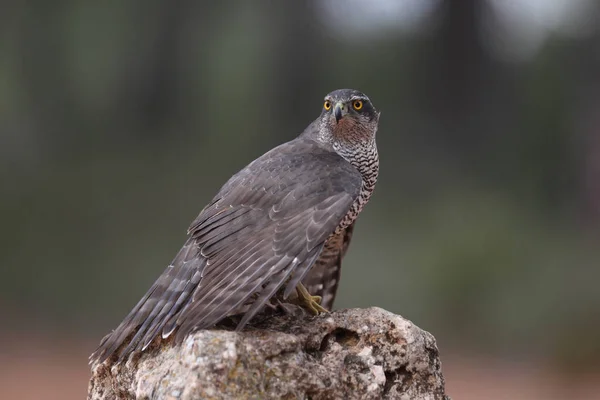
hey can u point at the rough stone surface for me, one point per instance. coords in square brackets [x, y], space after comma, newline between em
[348, 354]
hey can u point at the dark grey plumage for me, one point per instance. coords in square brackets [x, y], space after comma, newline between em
[288, 211]
[324, 276]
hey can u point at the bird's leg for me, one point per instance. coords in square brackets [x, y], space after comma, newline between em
[312, 303]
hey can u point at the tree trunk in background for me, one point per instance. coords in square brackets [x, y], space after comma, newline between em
[297, 66]
[150, 81]
[459, 75]
[42, 71]
[589, 114]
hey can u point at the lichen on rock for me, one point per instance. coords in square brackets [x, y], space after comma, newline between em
[347, 354]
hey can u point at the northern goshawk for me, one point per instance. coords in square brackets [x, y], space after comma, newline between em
[278, 227]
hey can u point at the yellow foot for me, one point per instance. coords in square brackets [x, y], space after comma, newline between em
[311, 303]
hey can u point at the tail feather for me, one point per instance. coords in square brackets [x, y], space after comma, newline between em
[157, 306]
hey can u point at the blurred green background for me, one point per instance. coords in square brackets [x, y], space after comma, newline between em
[120, 120]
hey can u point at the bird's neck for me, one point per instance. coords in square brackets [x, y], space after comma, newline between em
[364, 157]
[366, 161]
[358, 147]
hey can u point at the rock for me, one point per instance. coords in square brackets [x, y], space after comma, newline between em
[347, 354]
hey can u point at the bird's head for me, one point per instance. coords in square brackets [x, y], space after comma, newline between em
[348, 116]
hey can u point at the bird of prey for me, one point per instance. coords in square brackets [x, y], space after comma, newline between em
[277, 228]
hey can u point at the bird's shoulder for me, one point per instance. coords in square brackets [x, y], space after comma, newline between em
[294, 176]
[299, 162]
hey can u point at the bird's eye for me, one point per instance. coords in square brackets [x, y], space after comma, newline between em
[357, 104]
[327, 105]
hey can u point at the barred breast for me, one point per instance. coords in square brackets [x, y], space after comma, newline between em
[367, 163]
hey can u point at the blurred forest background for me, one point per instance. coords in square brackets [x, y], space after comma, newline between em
[120, 120]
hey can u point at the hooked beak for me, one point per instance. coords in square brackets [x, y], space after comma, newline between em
[339, 111]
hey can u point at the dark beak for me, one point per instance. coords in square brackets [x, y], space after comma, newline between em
[338, 112]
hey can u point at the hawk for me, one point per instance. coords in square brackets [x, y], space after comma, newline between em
[278, 227]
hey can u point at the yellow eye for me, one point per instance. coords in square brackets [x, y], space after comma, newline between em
[357, 104]
[327, 105]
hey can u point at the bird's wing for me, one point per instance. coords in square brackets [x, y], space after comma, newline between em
[324, 277]
[266, 227]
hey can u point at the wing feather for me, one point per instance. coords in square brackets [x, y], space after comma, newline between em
[220, 219]
[225, 272]
[229, 295]
[276, 282]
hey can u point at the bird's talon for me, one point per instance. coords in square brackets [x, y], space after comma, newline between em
[308, 301]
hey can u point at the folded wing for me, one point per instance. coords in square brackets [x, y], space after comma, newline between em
[265, 228]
